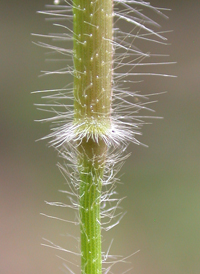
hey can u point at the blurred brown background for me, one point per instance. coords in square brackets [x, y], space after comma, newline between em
[162, 182]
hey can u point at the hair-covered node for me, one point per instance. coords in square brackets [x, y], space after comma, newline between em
[98, 52]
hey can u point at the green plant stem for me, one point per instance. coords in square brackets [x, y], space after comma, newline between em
[92, 26]
[90, 191]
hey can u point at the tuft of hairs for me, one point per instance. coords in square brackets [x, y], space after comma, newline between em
[115, 127]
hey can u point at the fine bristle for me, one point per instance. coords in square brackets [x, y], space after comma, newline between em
[132, 28]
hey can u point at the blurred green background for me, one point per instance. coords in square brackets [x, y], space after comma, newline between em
[161, 183]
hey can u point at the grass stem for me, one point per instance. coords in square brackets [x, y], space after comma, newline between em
[92, 28]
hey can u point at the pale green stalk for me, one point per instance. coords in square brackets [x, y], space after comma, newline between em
[84, 132]
[92, 27]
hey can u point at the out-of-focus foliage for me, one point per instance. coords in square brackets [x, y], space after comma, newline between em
[161, 182]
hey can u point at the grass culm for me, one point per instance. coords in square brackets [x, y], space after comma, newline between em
[96, 116]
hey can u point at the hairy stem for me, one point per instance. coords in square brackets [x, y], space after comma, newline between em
[92, 21]
[90, 192]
